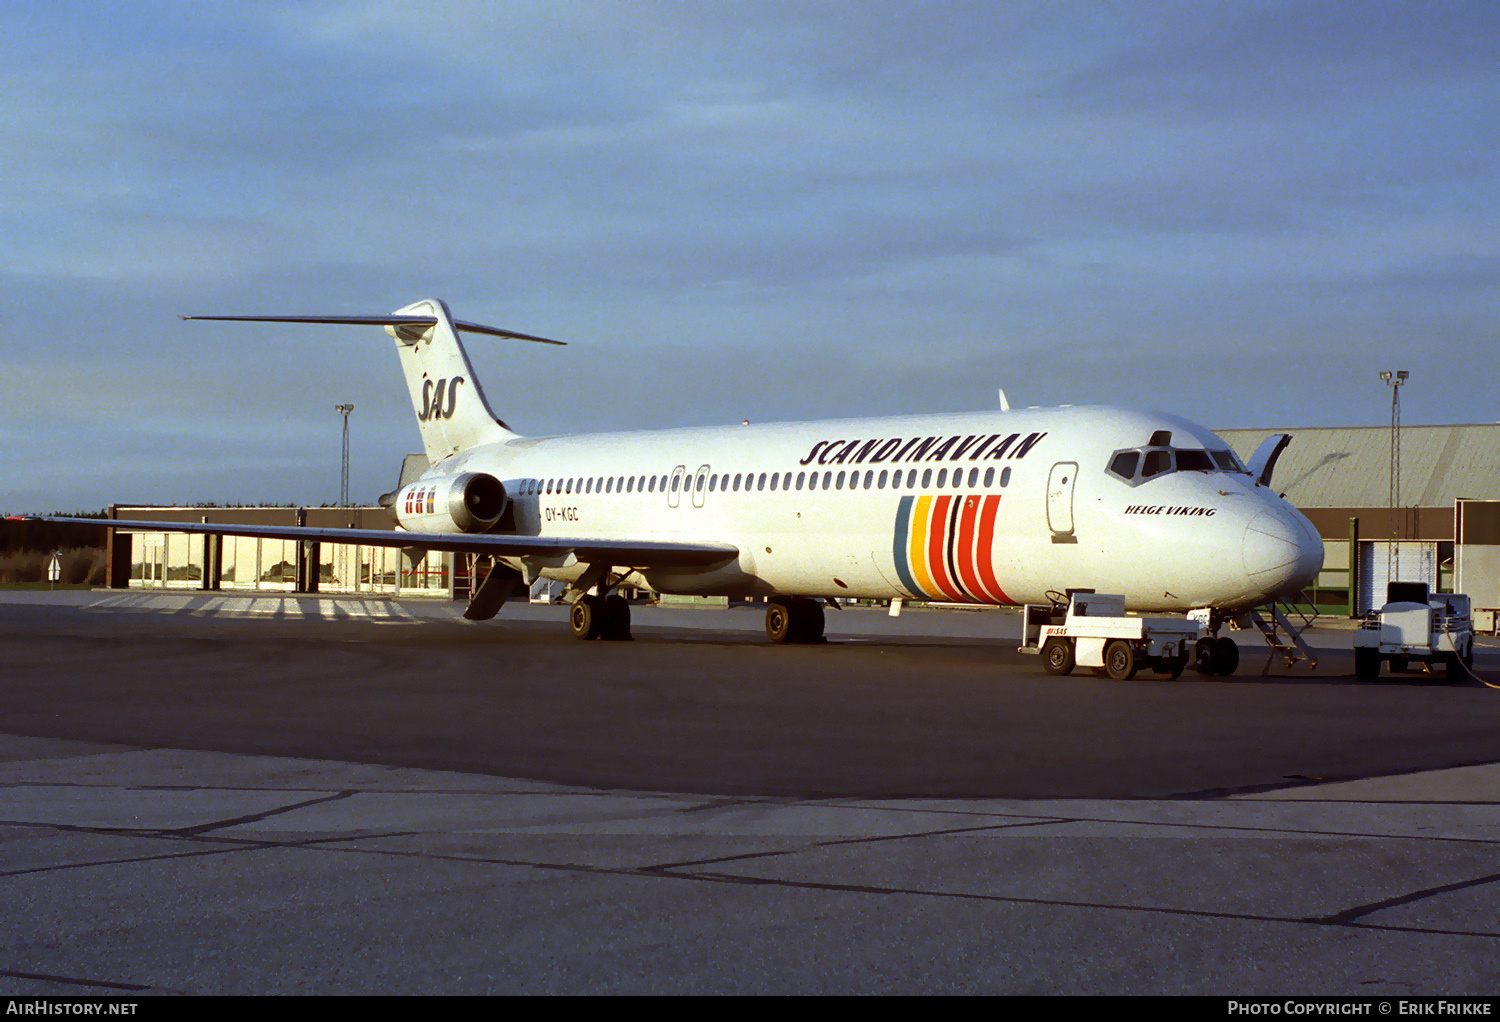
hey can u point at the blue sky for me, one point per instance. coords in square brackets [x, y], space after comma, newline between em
[1237, 212]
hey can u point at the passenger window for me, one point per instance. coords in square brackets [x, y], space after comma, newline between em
[942, 478]
[926, 478]
[828, 480]
[775, 477]
[973, 477]
[1005, 477]
[881, 481]
[989, 478]
[801, 476]
[702, 482]
[911, 479]
[760, 483]
[838, 481]
[812, 480]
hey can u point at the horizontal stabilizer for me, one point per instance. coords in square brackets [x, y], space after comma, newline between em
[391, 320]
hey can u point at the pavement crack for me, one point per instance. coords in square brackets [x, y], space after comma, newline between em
[76, 981]
[836, 842]
[205, 828]
[1349, 915]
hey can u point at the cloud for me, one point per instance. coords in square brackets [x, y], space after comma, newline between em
[793, 209]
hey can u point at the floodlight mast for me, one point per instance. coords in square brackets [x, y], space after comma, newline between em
[1393, 550]
[344, 469]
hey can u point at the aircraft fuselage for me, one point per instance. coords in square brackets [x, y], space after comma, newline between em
[986, 507]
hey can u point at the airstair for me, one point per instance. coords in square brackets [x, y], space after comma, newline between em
[1283, 632]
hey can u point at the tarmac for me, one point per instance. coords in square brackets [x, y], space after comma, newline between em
[210, 794]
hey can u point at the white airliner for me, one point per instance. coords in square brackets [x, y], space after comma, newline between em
[997, 507]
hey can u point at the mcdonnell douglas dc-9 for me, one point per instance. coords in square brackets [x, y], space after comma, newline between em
[996, 507]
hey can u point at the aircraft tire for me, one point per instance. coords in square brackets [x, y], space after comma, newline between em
[586, 617]
[807, 620]
[780, 622]
[1057, 656]
[1119, 660]
[1205, 659]
[616, 624]
[1226, 656]
[1366, 664]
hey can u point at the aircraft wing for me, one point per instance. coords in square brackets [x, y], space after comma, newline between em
[620, 553]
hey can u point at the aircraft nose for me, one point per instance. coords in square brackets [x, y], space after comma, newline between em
[1283, 553]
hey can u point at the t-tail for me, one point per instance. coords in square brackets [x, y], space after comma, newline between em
[452, 413]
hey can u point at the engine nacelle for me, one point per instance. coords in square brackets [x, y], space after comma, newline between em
[470, 502]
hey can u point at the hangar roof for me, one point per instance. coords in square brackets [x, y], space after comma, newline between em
[1350, 466]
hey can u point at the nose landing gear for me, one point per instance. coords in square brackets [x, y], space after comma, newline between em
[1216, 656]
[1214, 653]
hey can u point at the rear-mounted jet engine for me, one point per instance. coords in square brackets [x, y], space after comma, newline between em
[470, 502]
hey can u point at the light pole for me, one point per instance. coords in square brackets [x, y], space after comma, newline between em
[344, 470]
[1393, 553]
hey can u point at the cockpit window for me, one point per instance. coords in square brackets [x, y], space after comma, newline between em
[1158, 462]
[1123, 464]
[1158, 457]
[1227, 461]
[1194, 461]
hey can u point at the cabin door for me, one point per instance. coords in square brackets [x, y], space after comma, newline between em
[1060, 501]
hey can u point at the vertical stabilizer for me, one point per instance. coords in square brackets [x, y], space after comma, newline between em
[451, 411]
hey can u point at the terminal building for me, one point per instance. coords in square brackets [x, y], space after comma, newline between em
[1444, 528]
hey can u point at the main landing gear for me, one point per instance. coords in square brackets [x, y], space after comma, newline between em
[794, 619]
[601, 617]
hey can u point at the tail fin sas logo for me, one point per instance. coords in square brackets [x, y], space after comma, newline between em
[942, 547]
[433, 406]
